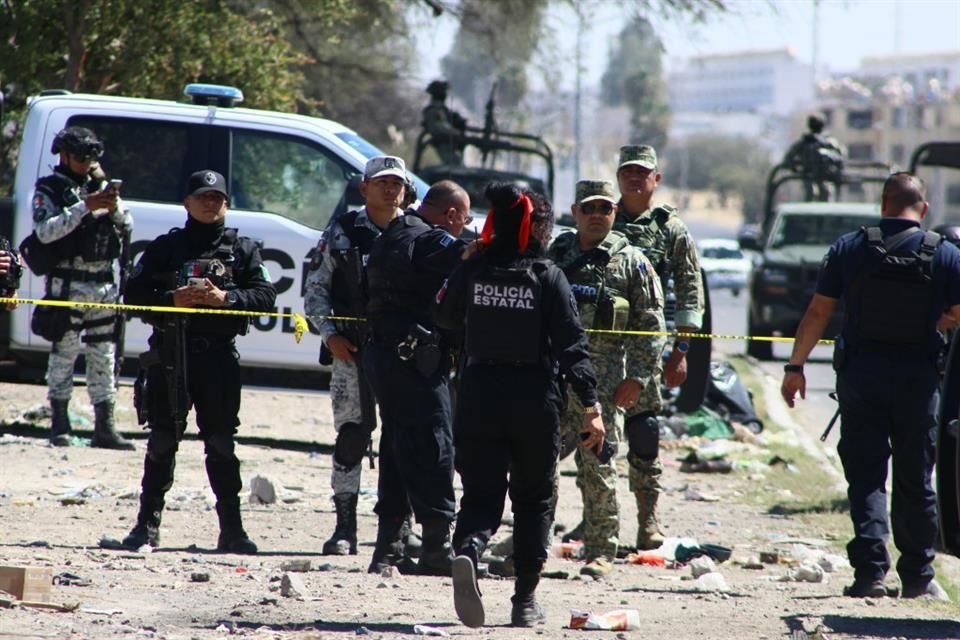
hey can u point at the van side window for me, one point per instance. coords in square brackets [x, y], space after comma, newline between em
[149, 155]
[286, 175]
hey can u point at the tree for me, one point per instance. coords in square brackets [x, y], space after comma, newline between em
[634, 76]
[726, 164]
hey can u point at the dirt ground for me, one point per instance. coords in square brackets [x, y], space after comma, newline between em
[56, 504]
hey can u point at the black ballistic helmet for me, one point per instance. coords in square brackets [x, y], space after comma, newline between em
[79, 142]
[950, 233]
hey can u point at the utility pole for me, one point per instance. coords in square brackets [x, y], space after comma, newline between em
[576, 100]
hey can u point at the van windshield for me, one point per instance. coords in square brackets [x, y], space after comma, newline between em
[368, 150]
[805, 229]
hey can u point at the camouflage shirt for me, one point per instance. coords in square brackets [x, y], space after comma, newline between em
[664, 239]
[629, 275]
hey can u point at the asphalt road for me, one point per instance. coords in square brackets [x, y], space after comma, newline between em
[730, 318]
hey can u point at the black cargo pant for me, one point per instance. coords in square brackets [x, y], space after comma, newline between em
[888, 406]
[507, 437]
[213, 383]
[416, 442]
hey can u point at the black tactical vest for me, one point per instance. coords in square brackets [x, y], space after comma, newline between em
[600, 306]
[393, 281]
[893, 296]
[96, 239]
[504, 315]
[348, 286]
[217, 263]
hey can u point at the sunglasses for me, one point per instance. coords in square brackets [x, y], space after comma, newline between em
[590, 208]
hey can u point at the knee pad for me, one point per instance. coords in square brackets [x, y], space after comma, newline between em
[352, 442]
[643, 435]
[219, 445]
[162, 445]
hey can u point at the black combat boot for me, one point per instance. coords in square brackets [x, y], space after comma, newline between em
[436, 553]
[388, 550]
[233, 539]
[147, 529]
[105, 435]
[344, 539]
[59, 423]
[526, 611]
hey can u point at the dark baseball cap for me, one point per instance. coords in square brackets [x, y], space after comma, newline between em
[206, 180]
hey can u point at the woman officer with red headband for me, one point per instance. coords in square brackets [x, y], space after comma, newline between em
[522, 331]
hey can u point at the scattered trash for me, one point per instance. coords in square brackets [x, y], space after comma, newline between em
[693, 463]
[66, 579]
[651, 558]
[390, 572]
[101, 612]
[555, 575]
[424, 630]
[199, 576]
[711, 582]
[830, 562]
[616, 620]
[685, 553]
[769, 557]
[571, 550]
[362, 631]
[809, 572]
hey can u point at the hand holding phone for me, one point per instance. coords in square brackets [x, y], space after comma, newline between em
[115, 185]
[196, 283]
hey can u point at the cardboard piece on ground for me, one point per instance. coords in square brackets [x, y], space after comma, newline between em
[27, 583]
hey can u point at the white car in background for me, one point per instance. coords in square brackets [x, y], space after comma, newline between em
[726, 266]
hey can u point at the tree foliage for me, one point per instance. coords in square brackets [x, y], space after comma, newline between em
[727, 164]
[634, 77]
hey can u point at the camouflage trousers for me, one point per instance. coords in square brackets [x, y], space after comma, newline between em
[597, 481]
[345, 398]
[96, 327]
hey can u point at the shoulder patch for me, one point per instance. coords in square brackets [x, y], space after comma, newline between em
[446, 240]
[265, 273]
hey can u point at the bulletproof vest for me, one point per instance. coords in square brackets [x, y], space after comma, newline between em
[600, 306]
[504, 309]
[95, 239]
[893, 295]
[348, 286]
[218, 263]
[393, 282]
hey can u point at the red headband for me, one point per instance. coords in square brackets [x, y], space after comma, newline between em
[523, 235]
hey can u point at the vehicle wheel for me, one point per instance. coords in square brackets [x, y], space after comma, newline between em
[759, 349]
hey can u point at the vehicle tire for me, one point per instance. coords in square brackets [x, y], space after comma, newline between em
[759, 349]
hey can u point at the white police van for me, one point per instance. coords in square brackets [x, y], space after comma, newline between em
[287, 174]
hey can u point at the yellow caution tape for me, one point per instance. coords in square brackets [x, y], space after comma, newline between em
[300, 323]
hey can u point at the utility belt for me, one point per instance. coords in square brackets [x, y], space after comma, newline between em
[419, 346]
[204, 344]
[76, 275]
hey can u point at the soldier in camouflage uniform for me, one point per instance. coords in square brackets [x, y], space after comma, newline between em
[616, 289]
[328, 293]
[662, 236]
[446, 127]
[83, 223]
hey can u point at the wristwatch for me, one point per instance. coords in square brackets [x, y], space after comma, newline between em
[793, 368]
[593, 410]
[682, 346]
[231, 298]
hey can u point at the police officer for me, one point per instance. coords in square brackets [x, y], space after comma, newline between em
[82, 221]
[521, 330]
[336, 286]
[662, 236]
[616, 289]
[10, 272]
[410, 368]
[207, 265]
[898, 283]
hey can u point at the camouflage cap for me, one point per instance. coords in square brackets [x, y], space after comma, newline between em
[588, 190]
[380, 166]
[639, 154]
